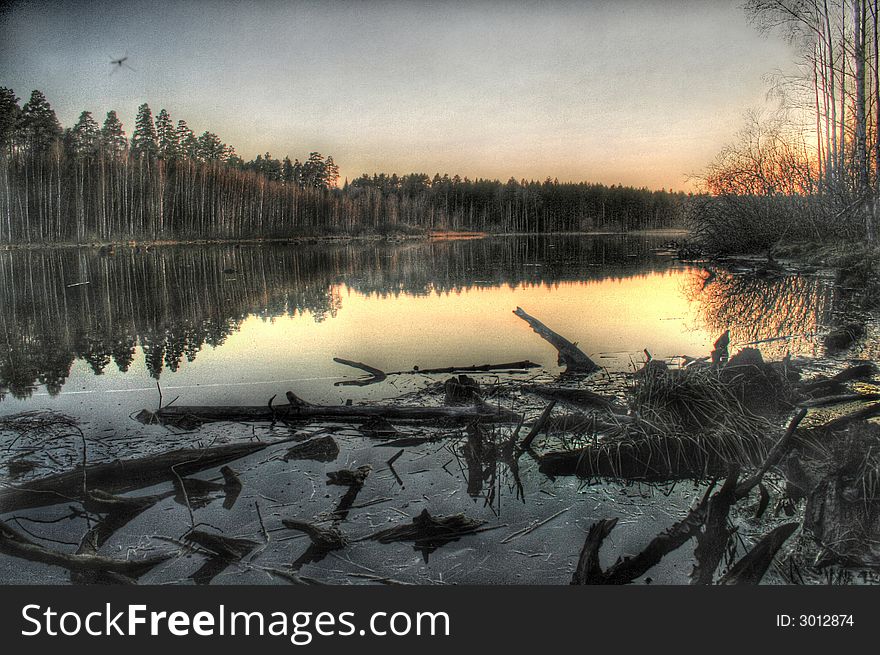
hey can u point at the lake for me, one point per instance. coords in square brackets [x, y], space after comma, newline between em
[89, 332]
[98, 335]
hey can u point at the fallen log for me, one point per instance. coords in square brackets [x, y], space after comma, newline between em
[712, 540]
[16, 544]
[482, 368]
[577, 398]
[375, 375]
[843, 421]
[588, 570]
[122, 476]
[754, 564]
[537, 427]
[325, 539]
[428, 532]
[304, 411]
[862, 371]
[319, 449]
[648, 458]
[839, 399]
[572, 357]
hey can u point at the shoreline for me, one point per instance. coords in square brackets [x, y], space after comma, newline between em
[329, 239]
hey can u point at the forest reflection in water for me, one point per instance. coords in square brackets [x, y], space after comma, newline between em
[74, 314]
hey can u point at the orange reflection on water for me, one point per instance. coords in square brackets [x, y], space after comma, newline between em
[611, 319]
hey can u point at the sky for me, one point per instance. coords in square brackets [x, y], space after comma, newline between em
[634, 92]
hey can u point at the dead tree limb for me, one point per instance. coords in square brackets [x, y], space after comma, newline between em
[482, 368]
[752, 567]
[375, 375]
[839, 399]
[537, 427]
[572, 357]
[713, 538]
[588, 570]
[577, 398]
[16, 544]
[303, 411]
[843, 421]
[122, 476]
[777, 452]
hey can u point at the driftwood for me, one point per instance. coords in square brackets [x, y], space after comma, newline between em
[537, 427]
[588, 570]
[300, 410]
[578, 398]
[862, 371]
[376, 375]
[348, 477]
[572, 357]
[325, 539]
[229, 548]
[648, 458]
[627, 569]
[482, 368]
[16, 544]
[122, 476]
[428, 532]
[118, 510]
[223, 551]
[354, 480]
[321, 449]
[844, 421]
[752, 567]
[839, 399]
[713, 538]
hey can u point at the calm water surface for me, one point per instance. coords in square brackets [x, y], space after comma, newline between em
[92, 334]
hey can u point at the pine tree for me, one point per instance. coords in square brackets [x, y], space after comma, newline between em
[210, 147]
[166, 136]
[113, 135]
[331, 173]
[186, 140]
[143, 140]
[314, 171]
[85, 136]
[10, 115]
[39, 124]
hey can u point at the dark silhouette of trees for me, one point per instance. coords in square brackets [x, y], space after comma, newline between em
[144, 142]
[91, 185]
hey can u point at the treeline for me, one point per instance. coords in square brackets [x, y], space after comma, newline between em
[812, 171]
[90, 182]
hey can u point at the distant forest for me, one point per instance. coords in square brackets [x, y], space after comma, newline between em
[91, 183]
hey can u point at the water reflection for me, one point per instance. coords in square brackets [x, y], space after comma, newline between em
[166, 304]
[780, 314]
